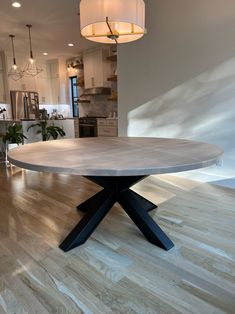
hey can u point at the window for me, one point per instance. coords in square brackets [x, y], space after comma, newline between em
[74, 95]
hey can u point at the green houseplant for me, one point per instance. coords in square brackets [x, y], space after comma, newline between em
[14, 134]
[13, 137]
[47, 131]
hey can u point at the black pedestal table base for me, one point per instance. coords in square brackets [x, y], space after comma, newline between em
[116, 189]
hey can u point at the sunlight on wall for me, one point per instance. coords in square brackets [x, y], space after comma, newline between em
[201, 109]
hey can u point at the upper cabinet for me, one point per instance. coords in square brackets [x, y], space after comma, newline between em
[42, 85]
[43, 89]
[97, 69]
[56, 70]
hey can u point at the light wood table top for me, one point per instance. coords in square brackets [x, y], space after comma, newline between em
[119, 156]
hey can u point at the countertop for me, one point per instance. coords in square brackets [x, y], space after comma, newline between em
[8, 120]
[32, 120]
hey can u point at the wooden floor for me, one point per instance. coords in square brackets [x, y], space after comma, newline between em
[117, 270]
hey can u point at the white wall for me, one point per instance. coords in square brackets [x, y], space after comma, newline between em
[179, 80]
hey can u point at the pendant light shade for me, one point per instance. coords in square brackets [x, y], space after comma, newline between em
[15, 73]
[32, 68]
[110, 21]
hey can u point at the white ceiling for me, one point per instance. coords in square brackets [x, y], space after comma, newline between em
[55, 24]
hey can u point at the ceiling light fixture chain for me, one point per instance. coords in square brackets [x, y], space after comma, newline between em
[15, 73]
[13, 49]
[32, 68]
[30, 41]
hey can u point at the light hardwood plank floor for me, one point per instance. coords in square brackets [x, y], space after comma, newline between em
[116, 270]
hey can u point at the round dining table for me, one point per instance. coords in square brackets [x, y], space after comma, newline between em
[116, 164]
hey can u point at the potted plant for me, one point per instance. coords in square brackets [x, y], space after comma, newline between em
[47, 131]
[13, 137]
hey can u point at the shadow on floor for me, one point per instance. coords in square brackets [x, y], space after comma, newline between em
[228, 183]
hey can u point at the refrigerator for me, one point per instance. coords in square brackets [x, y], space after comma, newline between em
[24, 105]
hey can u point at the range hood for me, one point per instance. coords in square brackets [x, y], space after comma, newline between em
[97, 91]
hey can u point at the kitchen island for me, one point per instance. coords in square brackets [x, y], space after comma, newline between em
[68, 125]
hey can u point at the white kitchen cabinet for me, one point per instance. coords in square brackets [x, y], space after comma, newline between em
[96, 67]
[56, 70]
[43, 86]
[28, 83]
[43, 89]
[107, 127]
[54, 81]
[76, 127]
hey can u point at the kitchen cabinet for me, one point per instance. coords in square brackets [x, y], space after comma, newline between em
[25, 83]
[76, 127]
[107, 127]
[28, 83]
[56, 70]
[97, 68]
[43, 88]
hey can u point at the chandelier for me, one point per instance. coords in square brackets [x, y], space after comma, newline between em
[112, 21]
[15, 73]
[32, 68]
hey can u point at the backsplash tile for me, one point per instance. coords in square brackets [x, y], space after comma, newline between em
[99, 106]
[63, 109]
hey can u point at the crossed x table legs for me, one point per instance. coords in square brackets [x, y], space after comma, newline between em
[116, 189]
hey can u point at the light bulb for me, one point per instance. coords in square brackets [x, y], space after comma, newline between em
[31, 60]
[14, 66]
[16, 4]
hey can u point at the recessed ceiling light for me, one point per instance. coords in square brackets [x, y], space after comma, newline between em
[45, 53]
[16, 4]
[70, 45]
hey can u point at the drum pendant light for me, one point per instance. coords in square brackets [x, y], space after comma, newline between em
[31, 68]
[112, 21]
[15, 73]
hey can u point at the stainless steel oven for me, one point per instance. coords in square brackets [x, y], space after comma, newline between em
[87, 127]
